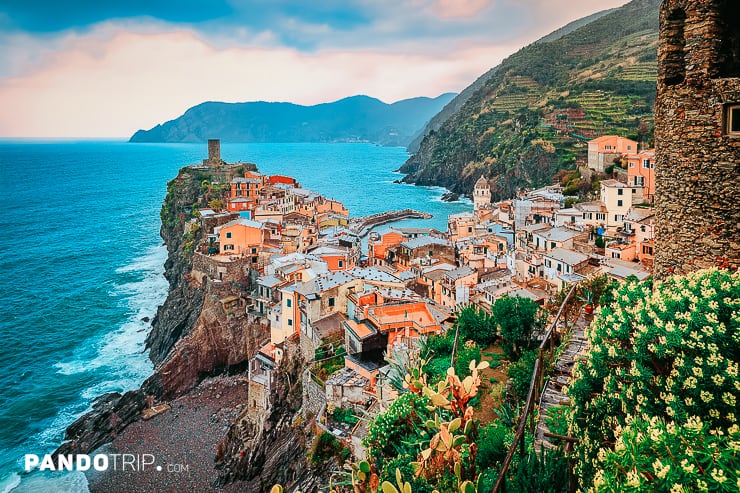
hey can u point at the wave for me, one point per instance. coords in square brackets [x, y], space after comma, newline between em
[117, 358]
[120, 351]
[38, 482]
[7, 484]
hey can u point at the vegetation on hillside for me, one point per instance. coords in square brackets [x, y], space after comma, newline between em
[535, 112]
[655, 402]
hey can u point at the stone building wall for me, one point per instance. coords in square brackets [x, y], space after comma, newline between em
[697, 168]
[314, 395]
[221, 270]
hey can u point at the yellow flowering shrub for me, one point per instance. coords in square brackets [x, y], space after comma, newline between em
[669, 351]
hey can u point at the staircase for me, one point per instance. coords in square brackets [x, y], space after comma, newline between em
[552, 394]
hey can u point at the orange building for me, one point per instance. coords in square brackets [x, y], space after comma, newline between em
[385, 326]
[248, 188]
[603, 151]
[336, 258]
[641, 172]
[241, 237]
[378, 248]
[334, 206]
[280, 179]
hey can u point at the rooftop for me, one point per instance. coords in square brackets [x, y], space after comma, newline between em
[423, 241]
[566, 256]
[459, 273]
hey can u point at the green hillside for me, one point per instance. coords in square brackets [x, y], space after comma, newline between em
[534, 113]
[353, 119]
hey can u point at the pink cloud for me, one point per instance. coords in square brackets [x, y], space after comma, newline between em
[450, 9]
[112, 87]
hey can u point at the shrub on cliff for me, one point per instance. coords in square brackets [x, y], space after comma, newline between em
[665, 355]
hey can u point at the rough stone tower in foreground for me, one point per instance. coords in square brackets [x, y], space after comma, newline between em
[697, 134]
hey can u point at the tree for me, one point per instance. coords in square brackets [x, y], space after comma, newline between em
[516, 318]
[473, 324]
[216, 204]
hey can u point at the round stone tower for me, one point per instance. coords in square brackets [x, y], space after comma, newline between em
[697, 136]
[481, 194]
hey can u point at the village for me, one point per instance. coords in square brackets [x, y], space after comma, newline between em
[292, 262]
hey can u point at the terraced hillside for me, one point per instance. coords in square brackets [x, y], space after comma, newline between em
[533, 114]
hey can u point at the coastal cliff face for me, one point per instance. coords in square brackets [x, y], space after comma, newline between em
[268, 446]
[192, 336]
[177, 316]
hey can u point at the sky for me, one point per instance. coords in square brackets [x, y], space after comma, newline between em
[106, 68]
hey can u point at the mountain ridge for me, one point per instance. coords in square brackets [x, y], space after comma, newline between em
[357, 118]
[533, 113]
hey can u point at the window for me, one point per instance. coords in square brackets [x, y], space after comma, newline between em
[228, 234]
[729, 56]
[634, 190]
[733, 119]
[341, 264]
[254, 250]
[619, 202]
[620, 192]
[290, 322]
[639, 181]
[552, 244]
[331, 301]
[673, 68]
[289, 302]
[470, 229]
[629, 148]
[632, 165]
[642, 228]
[600, 216]
[559, 268]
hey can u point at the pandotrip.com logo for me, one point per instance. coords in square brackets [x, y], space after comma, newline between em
[99, 462]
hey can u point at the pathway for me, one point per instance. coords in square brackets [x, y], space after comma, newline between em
[552, 395]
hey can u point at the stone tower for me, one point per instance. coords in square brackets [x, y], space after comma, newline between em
[697, 136]
[481, 194]
[214, 151]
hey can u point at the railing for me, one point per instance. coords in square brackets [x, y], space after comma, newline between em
[546, 350]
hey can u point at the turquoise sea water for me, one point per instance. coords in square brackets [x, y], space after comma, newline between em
[82, 262]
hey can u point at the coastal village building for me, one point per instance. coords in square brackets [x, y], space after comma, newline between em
[641, 172]
[618, 198]
[481, 195]
[602, 151]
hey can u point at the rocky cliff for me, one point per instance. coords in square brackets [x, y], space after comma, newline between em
[192, 335]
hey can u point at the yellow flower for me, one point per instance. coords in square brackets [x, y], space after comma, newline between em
[660, 469]
[689, 468]
[718, 475]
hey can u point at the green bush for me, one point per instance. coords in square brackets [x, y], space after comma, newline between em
[475, 325]
[672, 353]
[325, 447]
[493, 440]
[464, 356]
[661, 457]
[517, 319]
[520, 375]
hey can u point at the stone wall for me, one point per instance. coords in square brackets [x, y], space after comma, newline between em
[697, 167]
[314, 395]
[218, 269]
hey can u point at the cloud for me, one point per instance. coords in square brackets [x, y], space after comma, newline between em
[133, 81]
[460, 8]
[111, 71]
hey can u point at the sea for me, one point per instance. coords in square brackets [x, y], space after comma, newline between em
[81, 264]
